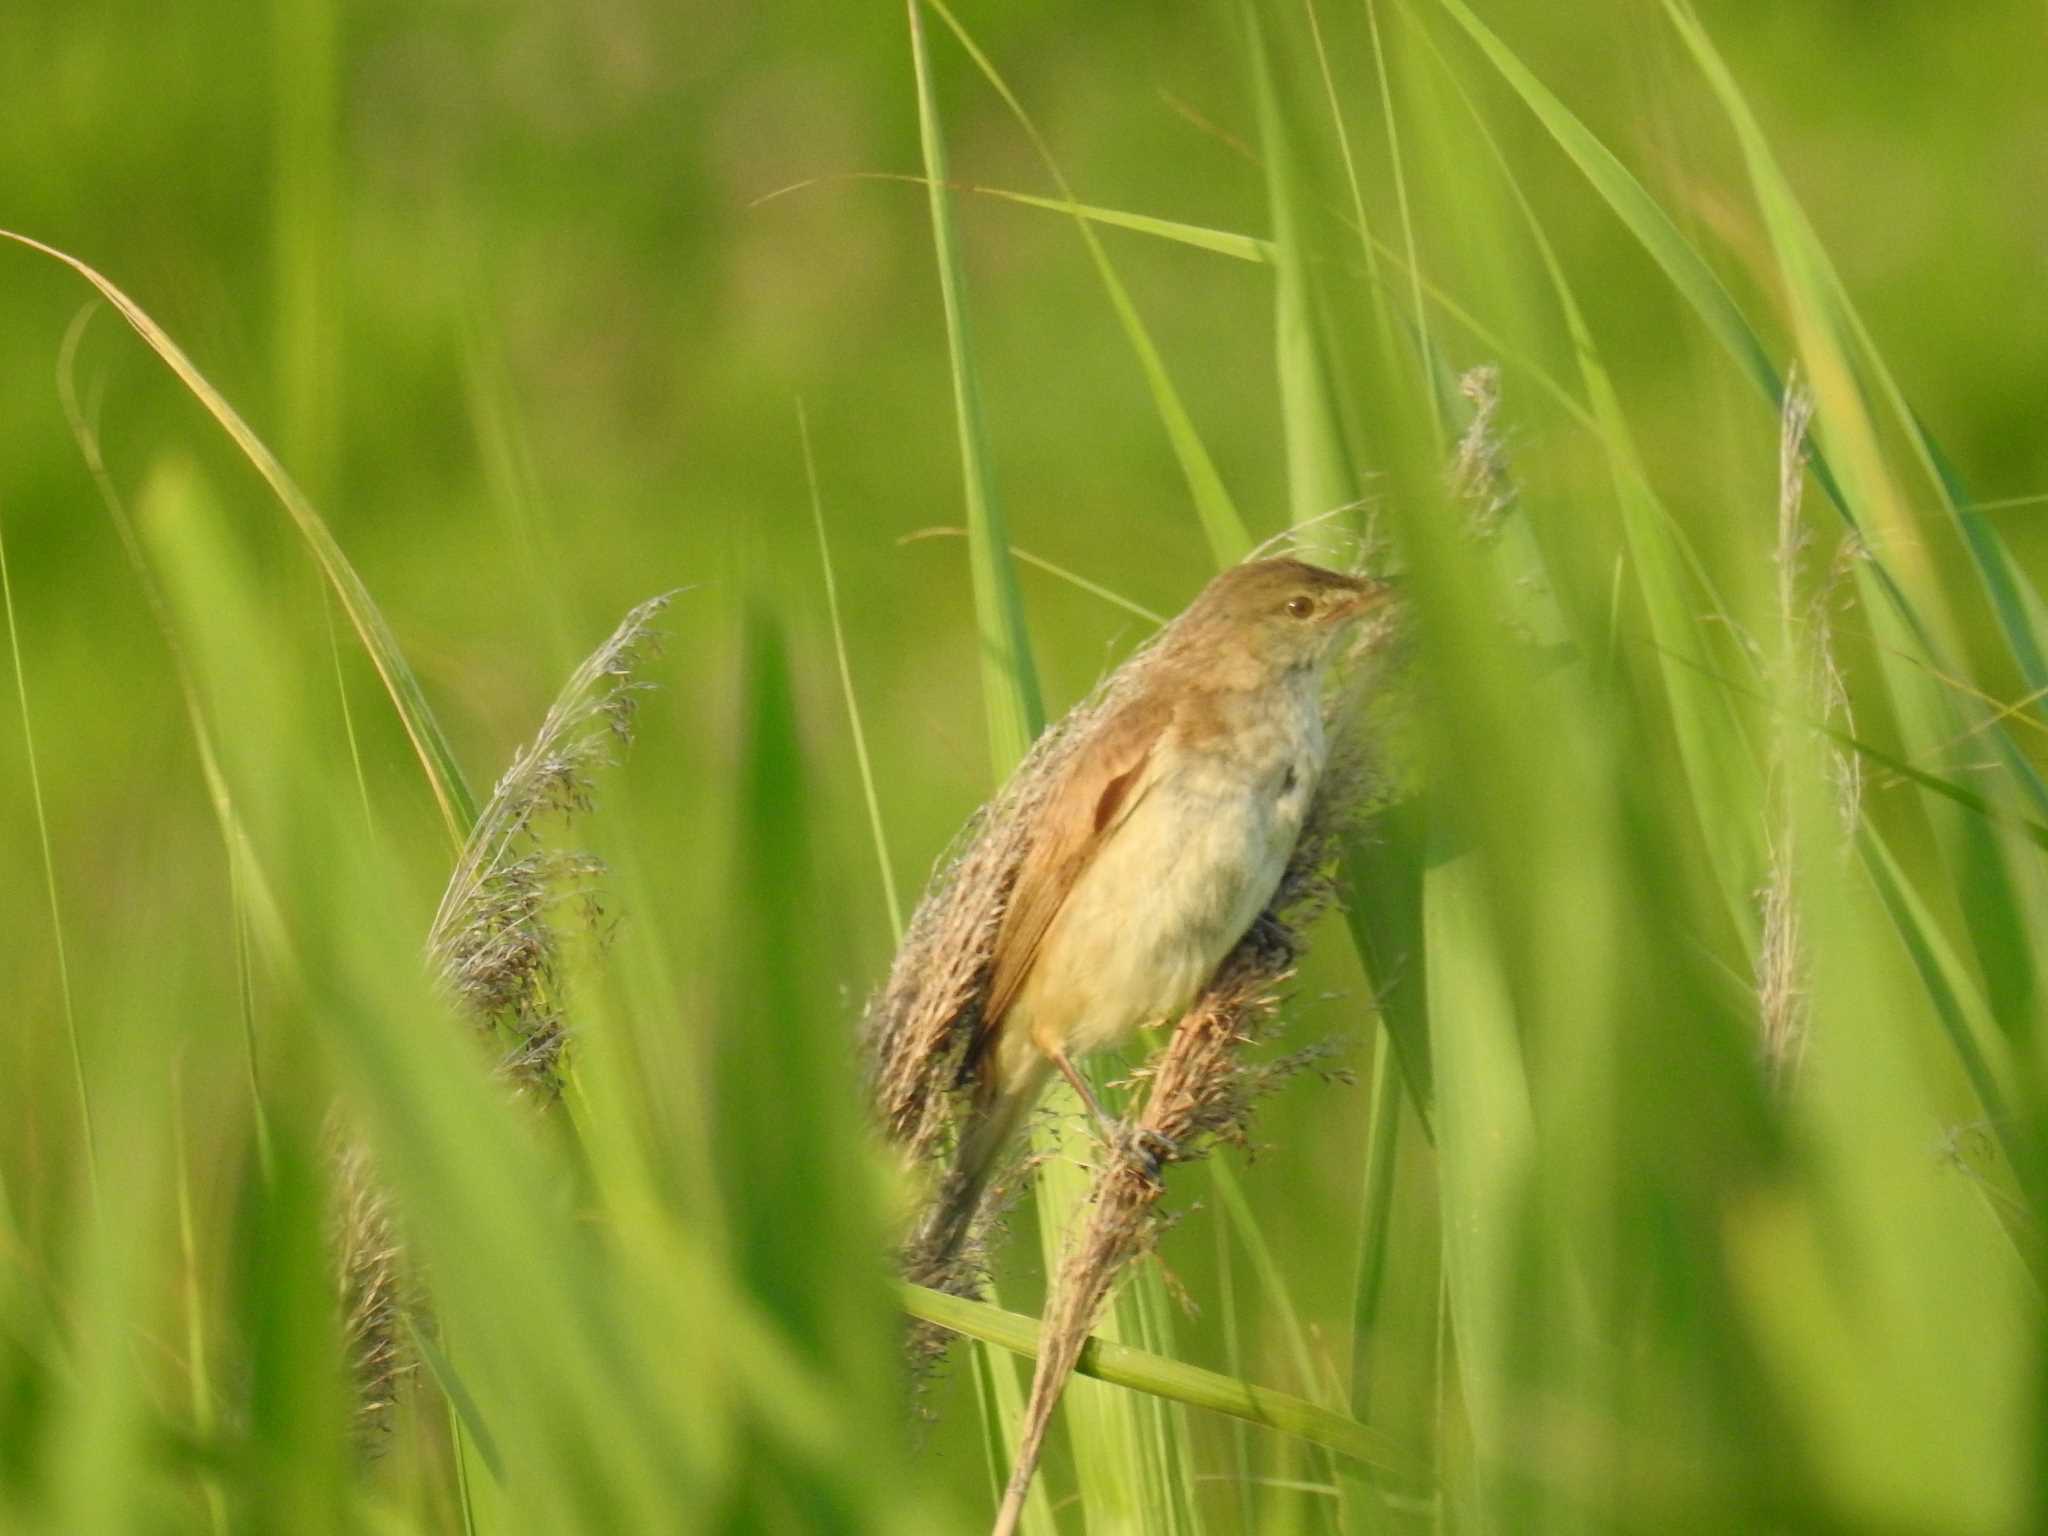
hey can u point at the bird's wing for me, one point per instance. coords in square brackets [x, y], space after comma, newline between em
[1111, 775]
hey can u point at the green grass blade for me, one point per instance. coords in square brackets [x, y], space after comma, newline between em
[56, 909]
[1009, 679]
[1219, 516]
[1721, 766]
[1320, 478]
[1273, 1287]
[1383, 910]
[1219, 242]
[1645, 218]
[1121, 1365]
[1119, 1456]
[860, 740]
[1418, 316]
[1847, 370]
[437, 759]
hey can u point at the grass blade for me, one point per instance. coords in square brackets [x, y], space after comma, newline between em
[437, 758]
[1222, 524]
[1121, 1365]
[860, 740]
[1320, 479]
[35, 785]
[1009, 679]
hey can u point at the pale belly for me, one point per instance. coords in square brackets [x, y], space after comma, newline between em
[1165, 900]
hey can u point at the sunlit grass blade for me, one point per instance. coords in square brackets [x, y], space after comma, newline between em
[1834, 336]
[1645, 218]
[1847, 371]
[1390, 118]
[1009, 679]
[198, 1344]
[252, 904]
[1220, 519]
[1383, 910]
[1219, 242]
[1485, 1140]
[1122, 1365]
[1119, 1457]
[860, 741]
[2003, 901]
[1273, 1288]
[1720, 763]
[80, 1084]
[1320, 478]
[437, 759]
[1972, 1026]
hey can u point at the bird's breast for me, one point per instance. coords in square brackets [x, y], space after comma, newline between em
[1178, 883]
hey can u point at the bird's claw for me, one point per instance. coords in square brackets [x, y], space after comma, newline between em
[1148, 1151]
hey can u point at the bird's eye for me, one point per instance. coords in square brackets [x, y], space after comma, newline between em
[1301, 607]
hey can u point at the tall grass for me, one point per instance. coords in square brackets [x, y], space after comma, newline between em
[1693, 1177]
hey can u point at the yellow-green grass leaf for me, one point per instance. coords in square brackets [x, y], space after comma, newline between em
[1009, 678]
[437, 758]
[1120, 1365]
[1320, 478]
[1219, 516]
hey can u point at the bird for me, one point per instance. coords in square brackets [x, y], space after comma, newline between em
[1161, 841]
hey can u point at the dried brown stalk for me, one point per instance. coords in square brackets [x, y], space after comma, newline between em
[1203, 1089]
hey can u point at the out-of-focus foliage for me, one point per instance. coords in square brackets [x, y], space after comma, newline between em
[506, 290]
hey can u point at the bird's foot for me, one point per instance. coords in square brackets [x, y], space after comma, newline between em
[1147, 1151]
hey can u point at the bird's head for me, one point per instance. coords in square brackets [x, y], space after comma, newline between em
[1282, 615]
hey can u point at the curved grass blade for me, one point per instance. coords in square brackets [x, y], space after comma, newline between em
[1220, 242]
[1121, 1447]
[1847, 370]
[437, 758]
[1712, 741]
[1645, 218]
[1009, 680]
[860, 740]
[35, 784]
[1319, 470]
[1221, 521]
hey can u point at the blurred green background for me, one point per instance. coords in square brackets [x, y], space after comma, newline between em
[505, 288]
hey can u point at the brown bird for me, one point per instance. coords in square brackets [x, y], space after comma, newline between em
[1163, 840]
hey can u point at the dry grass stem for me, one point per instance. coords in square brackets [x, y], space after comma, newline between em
[1201, 1089]
[918, 1026]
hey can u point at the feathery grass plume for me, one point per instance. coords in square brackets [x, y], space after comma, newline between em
[1810, 681]
[494, 947]
[493, 943]
[1782, 1003]
[1479, 467]
[1203, 1087]
[374, 1293]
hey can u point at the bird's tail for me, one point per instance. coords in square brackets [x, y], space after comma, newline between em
[938, 1254]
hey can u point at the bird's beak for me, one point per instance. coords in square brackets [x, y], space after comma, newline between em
[1372, 592]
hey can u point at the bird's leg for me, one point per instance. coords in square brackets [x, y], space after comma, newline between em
[1112, 1132]
[1148, 1150]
